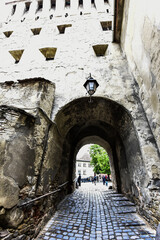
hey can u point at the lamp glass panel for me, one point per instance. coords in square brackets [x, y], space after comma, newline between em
[87, 87]
[91, 86]
[91, 90]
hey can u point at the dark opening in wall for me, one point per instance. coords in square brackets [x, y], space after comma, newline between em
[81, 3]
[106, 1]
[107, 25]
[62, 28]
[53, 4]
[36, 18]
[49, 53]
[67, 3]
[107, 10]
[93, 3]
[27, 6]
[100, 49]
[13, 10]
[22, 20]
[17, 54]
[40, 5]
[36, 31]
[8, 33]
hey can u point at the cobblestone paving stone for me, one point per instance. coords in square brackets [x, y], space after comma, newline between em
[94, 212]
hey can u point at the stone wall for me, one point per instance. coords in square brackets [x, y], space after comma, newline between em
[140, 41]
[26, 132]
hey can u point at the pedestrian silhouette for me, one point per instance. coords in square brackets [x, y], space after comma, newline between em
[79, 180]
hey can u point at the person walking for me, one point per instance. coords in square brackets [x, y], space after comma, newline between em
[79, 180]
[95, 178]
[104, 179]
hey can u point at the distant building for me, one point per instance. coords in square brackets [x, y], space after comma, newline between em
[84, 167]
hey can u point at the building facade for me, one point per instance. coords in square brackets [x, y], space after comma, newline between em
[83, 167]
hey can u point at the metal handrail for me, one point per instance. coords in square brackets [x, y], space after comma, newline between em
[74, 179]
[45, 195]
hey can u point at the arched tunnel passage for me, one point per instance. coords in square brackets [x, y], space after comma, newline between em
[109, 124]
[84, 148]
[105, 134]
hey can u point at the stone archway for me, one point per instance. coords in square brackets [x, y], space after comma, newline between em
[108, 122]
[130, 139]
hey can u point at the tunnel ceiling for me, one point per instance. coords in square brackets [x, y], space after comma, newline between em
[94, 140]
[102, 117]
[93, 128]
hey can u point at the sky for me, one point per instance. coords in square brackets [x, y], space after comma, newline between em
[83, 150]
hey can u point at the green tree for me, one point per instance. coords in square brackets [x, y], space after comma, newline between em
[100, 159]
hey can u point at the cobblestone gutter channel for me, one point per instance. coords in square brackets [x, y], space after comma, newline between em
[94, 212]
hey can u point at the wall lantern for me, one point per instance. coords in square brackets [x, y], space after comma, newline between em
[91, 85]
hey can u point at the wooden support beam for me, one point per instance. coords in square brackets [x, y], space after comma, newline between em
[119, 5]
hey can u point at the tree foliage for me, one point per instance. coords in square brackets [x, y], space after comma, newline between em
[100, 159]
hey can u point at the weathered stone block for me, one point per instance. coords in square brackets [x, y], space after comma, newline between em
[9, 192]
[23, 137]
[14, 217]
[28, 94]
[18, 161]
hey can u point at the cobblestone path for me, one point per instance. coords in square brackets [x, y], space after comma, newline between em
[94, 212]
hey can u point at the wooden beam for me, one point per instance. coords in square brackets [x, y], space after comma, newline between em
[16, 1]
[119, 5]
